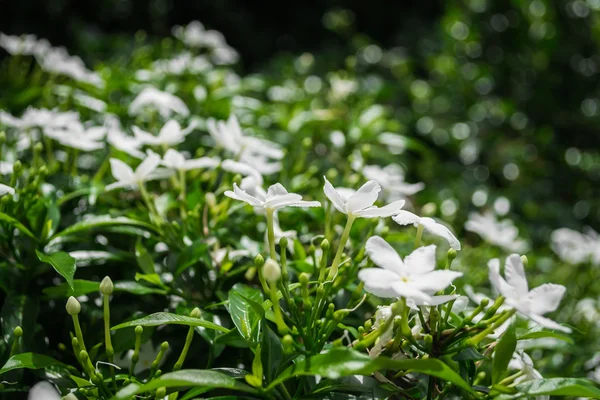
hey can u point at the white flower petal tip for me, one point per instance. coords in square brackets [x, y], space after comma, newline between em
[428, 224]
[275, 198]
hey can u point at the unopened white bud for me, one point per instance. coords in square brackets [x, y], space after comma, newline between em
[106, 286]
[271, 270]
[73, 307]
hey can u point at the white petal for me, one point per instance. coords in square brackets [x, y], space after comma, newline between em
[383, 212]
[440, 230]
[514, 271]
[305, 204]
[281, 201]
[405, 218]
[201, 163]
[119, 184]
[384, 255]
[43, 391]
[434, 281]
[4, 189]
[147, 166]
[171, 132]
[545, 298]
[145, 137]
[333, 196]
[378, 281]
[548, 323]
[364, 197]
[437, 300]
[276, 190]
[421, 260]
[173, 159]
[408, 291]
[242, 168]
[120, 170]
[499, 283]
[239, 194]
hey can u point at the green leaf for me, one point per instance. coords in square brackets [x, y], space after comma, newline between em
[538, 332]
[137, 288]
[143, 258]
[62, 262]
[503, 353]
[576, 387]
[163, 318]
[101, 221]
[12, 221]
[272, 353]
[186, 378]
[344, 361]
[153, 279]
[468, 354]
[29, 361]
[80, 287]
[243, 302]
[197, 251]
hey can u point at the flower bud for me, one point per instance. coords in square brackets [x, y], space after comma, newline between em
[161, 392]
[271, 271]
[17, 167]
[195, 313]
[139, 330]
[38, 147]
[106, 286]
[259, 260]
[525, 261]
[325, 245]
[211, 199]
[73, 307]
[451, 255]
[283, 242]
[18, 332]
[304, 278]
[164, 346]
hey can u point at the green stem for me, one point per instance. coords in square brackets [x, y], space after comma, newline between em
[419, 235]
[184, 351]
[338, 255]
[271, 234]
[78, 332]
[107, 339]
[480, 336]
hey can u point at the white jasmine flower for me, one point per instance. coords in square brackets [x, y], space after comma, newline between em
[90, 102]
[43, 391]
[170, 134]
[6, 168]
[500, 233]
[382, 315]
[5, 189]
[127, 178]
[180, 64]
[360, 204]
[78, 137]
[34, 117]
[58, 61]
[413, 278]
[175, 160]
[121, 141]
[429, 224]
[392, 181]
[396, 144]
[532, 304]
[25, 44]
[572, 246]
[277, 197]
[163, 102]
[251, 176]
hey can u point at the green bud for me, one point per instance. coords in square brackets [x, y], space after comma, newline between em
[484, 302]
[43, 171]
[368, 325]
[211, 199]
[73, 307]
[283, 242]
[320, 291]
[259, 260]
[311, 249]
[195, 313]
[161, 392]
[99, 376]
[18, 332]
[139, 330]
[304, 278]
[158, 373]
[325, 245]
[164, 346]
[451, 255]
[106, 286]
[330, 309]
[83, 356]
[428, 340]
[74, 342]
[361, 330]
[339, 315]
[525, 261]
[38, 147]
[271, 271]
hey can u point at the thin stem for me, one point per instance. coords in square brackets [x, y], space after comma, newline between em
[338, 255]
[419, 235]
[271, 234]
[184, 351]
[78, 332]
[107, 339]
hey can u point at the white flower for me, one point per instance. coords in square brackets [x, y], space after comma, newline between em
[532, 304]
[360, 204]
[574, 247]
[6, 168]
[169, 135]
[251, 176]
[429, 224]
[34, 117]
[521, 361]
[392, 181]
[277, 197]
[4, 189]
[58, 61]
[25, 44]
[175, 160]
[165, 103]
[501, 233]
[90, 102]
[414, 278]
[146, 171]
[43, 391]
[396, 144]
[382, 315]
[78, 137]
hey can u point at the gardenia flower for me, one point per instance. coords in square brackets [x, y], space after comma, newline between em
[78, 137]
[43, 391]
[500, 233]
[175, 160]
[165, 103]
[277, 197]
[5, 189]
[121, 141]
[170, 134]
[146, 171]
[532, 304]
[34, 117]
[429, 224]
[414, 278]
[392, 180]
[360, 204]
[576, 247]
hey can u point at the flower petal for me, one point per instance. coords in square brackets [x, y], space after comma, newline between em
[147, 166]
[333, 196]
[305, 204]
[276, 190]
[239, 194]
[548, 323]
[144, 137]
[499, 283]
[405, 218]
[408, 291]
[364, 197]
[173, 159]
[437, 300]
[434, 281]
[421, 260]
[545, 298]
[4, 189]
[242, 168]
[514, 271]
[383, 212]
[120, 170]
[201, 163]
[383, 255]
[281, 201]
[378, 281]
[440, 230]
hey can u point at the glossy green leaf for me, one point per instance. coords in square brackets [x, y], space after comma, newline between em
[143, 258]
[80, 288]
[575, 387]
[137, 288]
[12, 221]
[62, 262]
[272, 353]
[184, 379]
[503, 353]
[197, 251]
[344, 361]
[101, 221]
[164, 318]
[539, 332]
[29, 361]
[243, 302]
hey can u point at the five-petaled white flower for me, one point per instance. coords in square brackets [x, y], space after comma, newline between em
[530, 303]
[277, 197]
[5, 189]
[415, 278]
[170, 134]
[392, 180]
[165, 103]
[128, 178]
[175, 160]
[501, 233]
[360, 203]
[429, 224]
